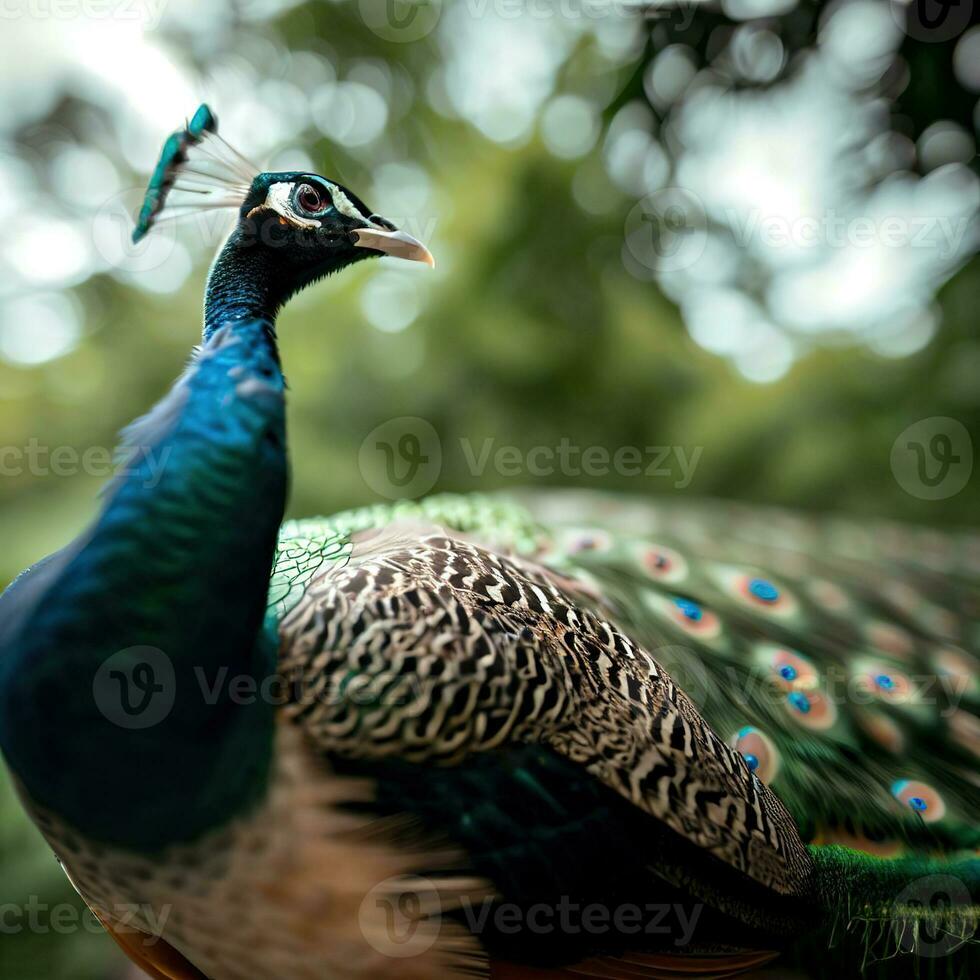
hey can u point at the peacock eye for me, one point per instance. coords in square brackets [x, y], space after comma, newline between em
[759, 752]
[920, 798]
[661, 563]
[310, 199]
[811, 709]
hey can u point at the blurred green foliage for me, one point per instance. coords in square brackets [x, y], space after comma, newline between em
[531, 332]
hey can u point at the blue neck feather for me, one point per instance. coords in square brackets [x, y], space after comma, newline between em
[244, 283]
[177, 560]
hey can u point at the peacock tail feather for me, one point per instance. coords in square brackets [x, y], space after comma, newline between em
[839, 666]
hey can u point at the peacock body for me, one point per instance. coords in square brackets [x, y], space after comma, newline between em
[557, 735]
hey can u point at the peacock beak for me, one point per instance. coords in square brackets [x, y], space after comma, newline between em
[393, 242]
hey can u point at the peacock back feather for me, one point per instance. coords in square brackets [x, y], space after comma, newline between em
[838, 665]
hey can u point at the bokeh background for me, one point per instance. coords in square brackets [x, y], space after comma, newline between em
[742, 229]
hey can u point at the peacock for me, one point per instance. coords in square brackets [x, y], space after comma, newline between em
[538, 736]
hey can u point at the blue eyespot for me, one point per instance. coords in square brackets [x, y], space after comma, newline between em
[884, 682]
[763, 590]
[921, 798]
[760, 755]
[787, 672]
[799, 701]
[690, 610]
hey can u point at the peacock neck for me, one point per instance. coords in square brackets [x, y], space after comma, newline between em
[159, 604]
[245, 284]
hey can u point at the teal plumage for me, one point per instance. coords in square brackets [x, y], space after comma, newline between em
[210, 451]
[479, 707]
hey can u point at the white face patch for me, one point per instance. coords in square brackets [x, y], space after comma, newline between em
[345, 206]
[277, 199]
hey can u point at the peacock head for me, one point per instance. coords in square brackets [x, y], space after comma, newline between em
[308, 226]
[317, 225]
[301, 225]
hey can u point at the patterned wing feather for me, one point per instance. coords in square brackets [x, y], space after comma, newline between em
[425, 646]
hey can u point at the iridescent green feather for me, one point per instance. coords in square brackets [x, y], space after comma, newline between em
[309, 546]
[835, 777]
[849, 609]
